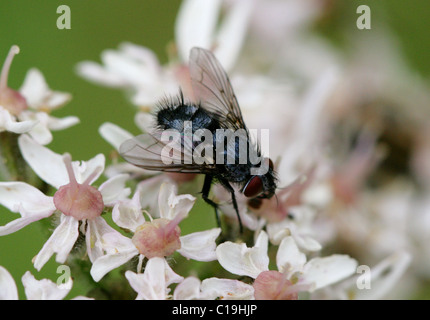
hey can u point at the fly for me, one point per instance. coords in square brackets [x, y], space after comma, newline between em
[214, 110]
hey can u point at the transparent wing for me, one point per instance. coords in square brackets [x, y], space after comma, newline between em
[152, 151]
[213, 90]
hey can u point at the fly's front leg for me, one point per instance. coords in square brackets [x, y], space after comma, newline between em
[227, 185]
[205, 195]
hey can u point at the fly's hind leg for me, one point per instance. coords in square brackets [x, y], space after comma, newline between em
[205, 195]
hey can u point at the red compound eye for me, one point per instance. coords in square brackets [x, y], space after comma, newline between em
[253, 188]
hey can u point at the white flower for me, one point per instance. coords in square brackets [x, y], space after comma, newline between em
[75, 199]
[154, 282]
[293, 267]
[155, 238]
[26, 110]
[38, 95]
[299, 227]
[213, 288]
[134, 68]
[42, 100]
[43, 289]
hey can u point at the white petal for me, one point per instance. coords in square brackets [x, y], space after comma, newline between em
[34, 87]
[145, 121]
[384, 276]
[171, 205]
[108, 262]
[325, 271]
[57, 99]
[289, 259]
[44, 289]
[200, 246]
[189, 289]
[94, 237]
[226, 289]
[128, 213]
[62, 123]
[149, 190]
[241, 260]
[60, 242]
[278, 231]
[98, 74]
[114, 189]
[195, 25]
[308, 243]
[125, 167]
[114, 134]
[48, 165]
[153, 283]
[8, 290]
[232, 32]
[37, 93]
[20, 197]
[41, 134]
[140, 54]
[84, 169]
[20, 223]
[9, 123]
[135, 73]
[171, 276]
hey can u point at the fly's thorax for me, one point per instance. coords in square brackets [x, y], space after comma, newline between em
[176, 115]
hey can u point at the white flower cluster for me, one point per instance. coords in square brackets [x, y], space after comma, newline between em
[324, 204]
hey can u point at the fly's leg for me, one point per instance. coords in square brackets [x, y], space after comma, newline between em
[227, 185]
[205, 195]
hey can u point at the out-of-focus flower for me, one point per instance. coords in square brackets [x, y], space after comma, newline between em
[294, 273]
[41, 101]
[116, 135]
[299, 225]
[8, 289]
[79, 203]
[27, 110]
[158, 237]
[43, 289]
[192, 288]
[154, 283]
[198, 25]
[137, 70]
[371, 283]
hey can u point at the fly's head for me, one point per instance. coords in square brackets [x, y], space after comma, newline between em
[262, 186]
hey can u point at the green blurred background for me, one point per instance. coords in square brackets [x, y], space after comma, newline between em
[101, 24]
